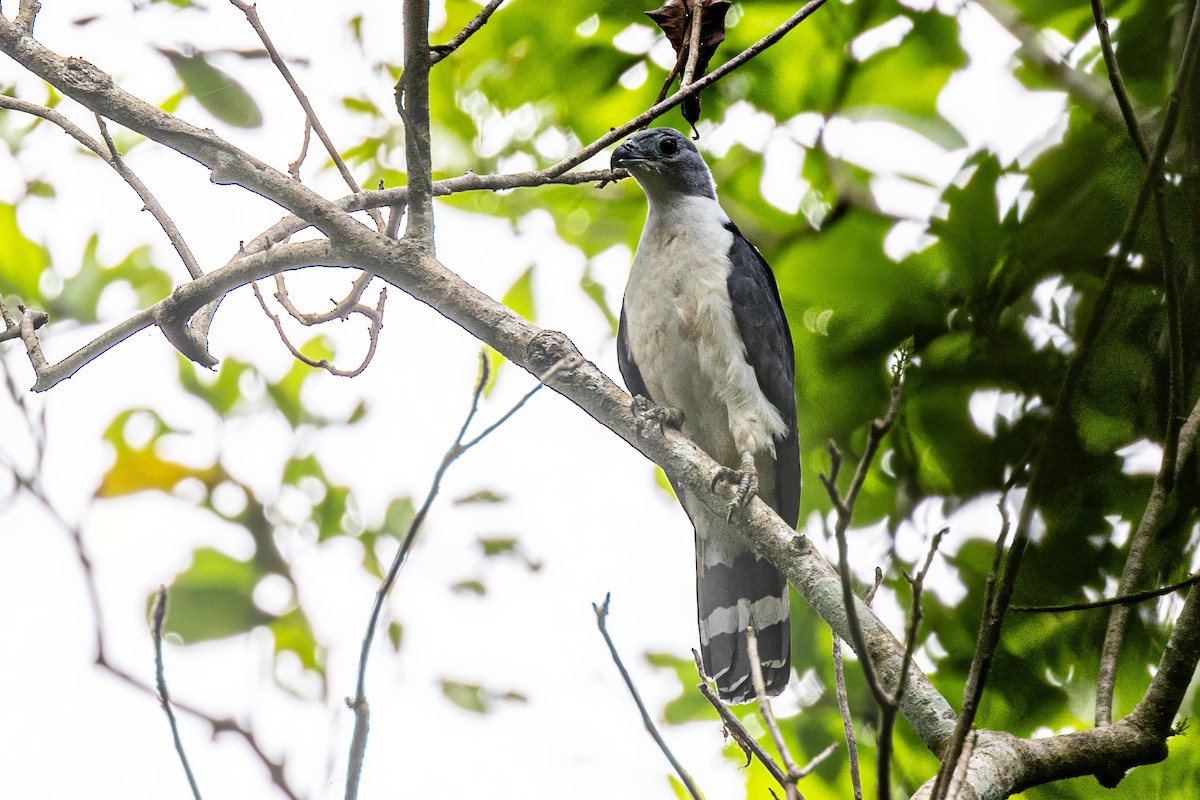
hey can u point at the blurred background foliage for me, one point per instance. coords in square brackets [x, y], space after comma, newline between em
[988, 288]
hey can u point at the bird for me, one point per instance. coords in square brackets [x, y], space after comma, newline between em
[703, 345]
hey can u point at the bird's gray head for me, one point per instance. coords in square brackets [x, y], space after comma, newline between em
[665, 163]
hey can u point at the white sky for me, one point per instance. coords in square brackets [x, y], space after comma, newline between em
[582, 502]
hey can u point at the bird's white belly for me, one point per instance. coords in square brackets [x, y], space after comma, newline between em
[683, 335]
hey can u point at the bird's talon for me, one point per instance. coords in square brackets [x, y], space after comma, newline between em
[744, 481]
[645, 414]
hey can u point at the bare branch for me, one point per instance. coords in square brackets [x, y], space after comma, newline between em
[412, 101]
[341, 310]
[375, 315]
[601, 623]
[735, 727]
[1134, 566]
[839, 674]
[816, 760]
[1114, 77]
[1109, 602]
[251, 12]
[439, 52]
[697, 86]
[30, 321]
[887, 723]
[792, 774]
[164, 697]
[112, 157]
[186, 299]
[151, 203]
[26, 14]
[985, 647]
[844, 505]
[294, 167]
[32, 485]
[358, 704]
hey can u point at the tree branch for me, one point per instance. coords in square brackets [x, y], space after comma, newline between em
[1161, 493]
[413, 88]
[420, 275]
[251, 12]
[1114, 77]
[358, 704]
[109, 154]
[735, 728]
[601, 623]
[185, 301]
[791, 771]
[164, 698]
[440, 52]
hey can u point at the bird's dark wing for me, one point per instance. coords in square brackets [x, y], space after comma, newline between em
[764, 329]
[629, 369]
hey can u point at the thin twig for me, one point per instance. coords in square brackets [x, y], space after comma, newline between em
[439, 52]
[375, 315]
[252, 17]
[160, 680]
[601, 623]
[10, 324]
[32, 485]
[980, 661]
[1171, 288]
[358, 703]
[887, 722]
[735, 727]
[1114, 77]
[816, 760]
[995, 611]
[695, 87]
[294, 167]
[791, 790]
[1131, 575]
[1120, 600]
[109, 154]
[843, 701]
[341, 310]
[844, 505]
[12, 328]
[151, 203]
[30, 321]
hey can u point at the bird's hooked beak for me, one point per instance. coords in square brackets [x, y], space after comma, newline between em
[625, 154]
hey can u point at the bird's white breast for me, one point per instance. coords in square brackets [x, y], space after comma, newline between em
[683, 335]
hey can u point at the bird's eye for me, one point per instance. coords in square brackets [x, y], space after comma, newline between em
[669, 147]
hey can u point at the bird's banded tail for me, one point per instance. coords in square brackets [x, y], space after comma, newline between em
[736, 589]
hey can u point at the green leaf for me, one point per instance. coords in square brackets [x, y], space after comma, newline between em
[223, 393]
[81, 293]
[218, 92]
[22, 261]
[213, 598]
[395, 634]
[293, 634]
[481, 496]
[498, 546]
[468, 696]
[470, 586]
